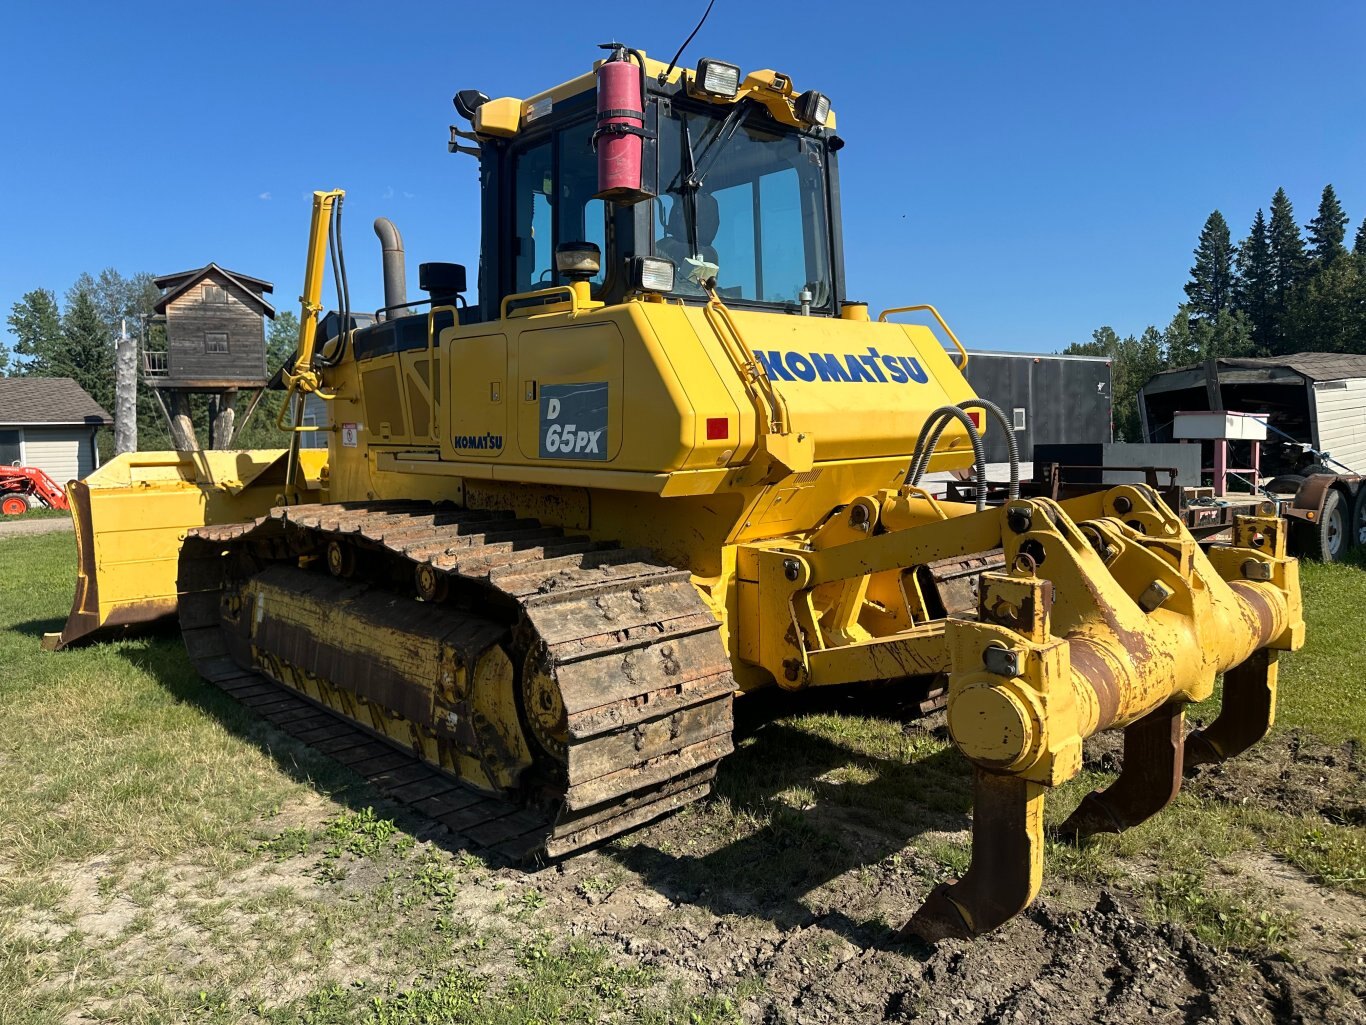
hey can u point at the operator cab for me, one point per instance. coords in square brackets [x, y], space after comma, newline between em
[737, 186]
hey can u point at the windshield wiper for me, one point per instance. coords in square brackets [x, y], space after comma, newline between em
[691, 176]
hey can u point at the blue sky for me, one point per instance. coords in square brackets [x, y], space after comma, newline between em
[1033, 170]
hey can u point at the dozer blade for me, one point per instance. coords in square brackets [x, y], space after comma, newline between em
[131, 516]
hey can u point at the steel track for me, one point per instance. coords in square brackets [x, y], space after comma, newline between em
[644, 677]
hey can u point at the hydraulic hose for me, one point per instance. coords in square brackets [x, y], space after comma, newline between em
[1008, 430]
[929, 437]
[930, 434]
[925, 451]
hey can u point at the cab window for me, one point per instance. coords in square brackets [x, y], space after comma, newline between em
[554, 181]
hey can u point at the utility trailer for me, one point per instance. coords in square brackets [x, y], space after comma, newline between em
[1049, 398]
[1312, 406]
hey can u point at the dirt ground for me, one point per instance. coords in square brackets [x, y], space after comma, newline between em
[1078, 955]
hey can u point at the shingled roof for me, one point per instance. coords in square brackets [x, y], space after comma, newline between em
[35, 401]
[179, 283]
[1315, 366]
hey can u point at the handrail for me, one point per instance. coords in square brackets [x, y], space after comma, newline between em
[431, 365]
[290, 401]
[882, 319]
[539, 293]
[769, 403]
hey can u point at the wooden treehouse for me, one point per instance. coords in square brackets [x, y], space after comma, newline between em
[215, 345]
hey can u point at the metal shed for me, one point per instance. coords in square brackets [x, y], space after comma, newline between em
[1318, 398]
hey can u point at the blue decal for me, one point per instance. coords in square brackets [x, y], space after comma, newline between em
[867, 366]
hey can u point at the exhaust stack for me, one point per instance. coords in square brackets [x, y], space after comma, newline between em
[395, 273]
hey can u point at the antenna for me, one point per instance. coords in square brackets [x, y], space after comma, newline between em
[664, 77]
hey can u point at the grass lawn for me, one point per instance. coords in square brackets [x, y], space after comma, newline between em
[165, 856]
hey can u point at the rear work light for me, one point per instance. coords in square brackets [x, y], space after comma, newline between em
[652, 274]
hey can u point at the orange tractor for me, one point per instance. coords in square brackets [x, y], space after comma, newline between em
[26, 487]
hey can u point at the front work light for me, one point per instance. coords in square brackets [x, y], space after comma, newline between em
[813, 108]
[717, 78]
[652, 274]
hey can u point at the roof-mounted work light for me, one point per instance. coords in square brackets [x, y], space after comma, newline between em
[813, 108]
[717, 78]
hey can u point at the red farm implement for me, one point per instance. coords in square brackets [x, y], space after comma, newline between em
[25, 487]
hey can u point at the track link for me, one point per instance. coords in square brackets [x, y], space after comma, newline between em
[636, 656]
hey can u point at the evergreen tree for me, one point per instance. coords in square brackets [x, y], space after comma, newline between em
[1191, 339]
[1327, 230]
[1359, 244]
[37, 325]
[1289, 267]
[1210, 288]
[1254, 299]
[1329, 313]
[87, 346]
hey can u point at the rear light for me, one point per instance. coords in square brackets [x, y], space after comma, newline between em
[975, 415]
[718, 428]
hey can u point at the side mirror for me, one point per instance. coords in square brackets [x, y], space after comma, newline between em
[467, 101]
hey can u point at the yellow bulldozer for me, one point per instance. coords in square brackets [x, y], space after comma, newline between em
[664, 460]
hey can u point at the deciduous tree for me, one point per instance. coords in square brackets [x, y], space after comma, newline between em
[1190, 339]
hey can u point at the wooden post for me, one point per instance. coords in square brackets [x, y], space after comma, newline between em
[181, 421]
[222, 414]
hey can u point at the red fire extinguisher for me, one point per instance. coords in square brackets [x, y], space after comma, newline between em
[620, 135]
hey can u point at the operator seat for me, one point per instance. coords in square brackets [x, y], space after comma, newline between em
[674, 242]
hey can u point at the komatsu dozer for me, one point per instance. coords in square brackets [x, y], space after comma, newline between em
[663, 459]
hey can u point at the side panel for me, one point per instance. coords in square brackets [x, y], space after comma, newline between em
[1340, 421]
[860, 390]
[1071, 402]
[58, 451]
[476, 417]
[590, 355]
